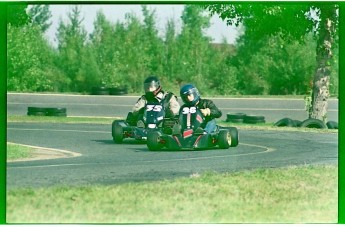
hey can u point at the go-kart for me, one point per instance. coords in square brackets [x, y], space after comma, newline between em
[151, 117]
[188, 133]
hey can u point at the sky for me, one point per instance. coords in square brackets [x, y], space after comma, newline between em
[218, 29]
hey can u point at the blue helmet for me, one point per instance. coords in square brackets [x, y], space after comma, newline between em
[187, 90]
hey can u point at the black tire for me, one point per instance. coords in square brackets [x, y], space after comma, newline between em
[234, 120]
[235, 116]
[224, 139]
[118, 91]
[297, 123]
[313, 123]
[37, 109]
[100, 91]
[153, 141]
[36, 113]
[58, 112]
[332, 125]
[285, 122]
[234, 136]
[117, 132]
[253, 118]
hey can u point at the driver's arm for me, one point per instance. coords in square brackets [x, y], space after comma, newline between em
[211, 110]
[139, 105]
[174, 105]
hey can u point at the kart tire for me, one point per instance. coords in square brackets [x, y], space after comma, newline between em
[332, 125]
[117, 132]
[285, 122]
[153, 141]
[224, 139]
[234, 136]
[313, 123]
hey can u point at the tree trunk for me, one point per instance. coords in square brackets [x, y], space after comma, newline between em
[321, 81]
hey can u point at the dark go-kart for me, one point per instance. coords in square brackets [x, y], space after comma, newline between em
[152, 117]
[187, 133]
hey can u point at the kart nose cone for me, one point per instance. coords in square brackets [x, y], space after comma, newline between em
[151, 125]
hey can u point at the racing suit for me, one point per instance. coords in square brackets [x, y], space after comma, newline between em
[168, 99]
[210, 112]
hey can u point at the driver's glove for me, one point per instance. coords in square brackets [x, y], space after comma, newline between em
[206, 112]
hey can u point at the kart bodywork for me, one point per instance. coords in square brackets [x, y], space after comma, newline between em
[151, 118]
[188, 133]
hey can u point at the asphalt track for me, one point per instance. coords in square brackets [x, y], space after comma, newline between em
[103, 162]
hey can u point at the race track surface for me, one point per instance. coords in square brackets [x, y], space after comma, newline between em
[104, 162]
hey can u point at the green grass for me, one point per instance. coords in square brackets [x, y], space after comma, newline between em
[52, 119]
[15, 151]
[305, 194]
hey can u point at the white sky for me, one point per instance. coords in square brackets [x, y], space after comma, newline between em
[113, 12]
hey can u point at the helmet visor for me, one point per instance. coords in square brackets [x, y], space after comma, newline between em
[190, 95]
[151, 86]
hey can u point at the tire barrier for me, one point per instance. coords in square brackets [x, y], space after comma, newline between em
[252, 119]
[100, 91]
[47, 111]
[118, 91]
[308, 123]
[109, 91]
[313, 123]
[235, 118]
[332, 125]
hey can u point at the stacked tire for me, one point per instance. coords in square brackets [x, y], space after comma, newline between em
[47, 111]
[254, 119]
[235, 118]
[243, 118]
[308, 123]
[109, 91]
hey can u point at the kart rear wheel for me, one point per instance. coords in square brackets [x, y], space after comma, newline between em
[153, 141]
[117, 132]
[224, 139]
[234, 136]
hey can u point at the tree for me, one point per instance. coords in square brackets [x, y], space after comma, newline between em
[72, 39]
[16, 15]
[30, 61]
[193, 47]
[40, 15]
[292, 22]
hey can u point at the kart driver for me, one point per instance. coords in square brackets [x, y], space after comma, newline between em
[154, 93]
[191, 97]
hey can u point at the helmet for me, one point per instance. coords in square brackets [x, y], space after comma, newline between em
[187, 90]
[152, 86]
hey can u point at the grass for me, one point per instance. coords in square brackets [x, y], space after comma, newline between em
[305, 194]
[52, 119]
[15, 151]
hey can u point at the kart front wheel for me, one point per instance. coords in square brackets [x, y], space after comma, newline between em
[153, 141]
[117, 132]
[234, 136]
[224, 139]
